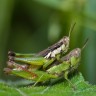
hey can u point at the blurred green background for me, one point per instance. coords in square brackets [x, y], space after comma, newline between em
[29, 26]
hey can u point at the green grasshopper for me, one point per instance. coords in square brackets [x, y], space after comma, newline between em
[47, 64]
[70, 63]
[46, 57]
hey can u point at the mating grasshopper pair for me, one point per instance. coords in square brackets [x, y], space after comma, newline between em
[48, 64]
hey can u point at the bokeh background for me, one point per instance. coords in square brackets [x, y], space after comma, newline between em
[29, 26]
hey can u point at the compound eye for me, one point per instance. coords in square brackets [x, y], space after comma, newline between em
[76, 52]
[66, 39]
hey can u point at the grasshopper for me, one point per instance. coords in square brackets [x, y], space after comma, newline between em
[70, 63]
[45, 57]
[57, 70]
[54, 70]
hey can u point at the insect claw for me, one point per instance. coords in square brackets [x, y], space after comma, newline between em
[74, 87]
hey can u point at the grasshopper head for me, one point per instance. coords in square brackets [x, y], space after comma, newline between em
[76, 52]
[65, 40]
[65, 43]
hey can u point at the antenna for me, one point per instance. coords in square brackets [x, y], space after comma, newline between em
[85, 43]
[71, 28]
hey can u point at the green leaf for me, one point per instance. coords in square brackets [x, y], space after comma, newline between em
[83, 88]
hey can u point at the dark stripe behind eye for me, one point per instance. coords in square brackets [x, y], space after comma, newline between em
[52, 48]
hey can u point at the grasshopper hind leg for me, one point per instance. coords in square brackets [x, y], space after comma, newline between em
[20, 55]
